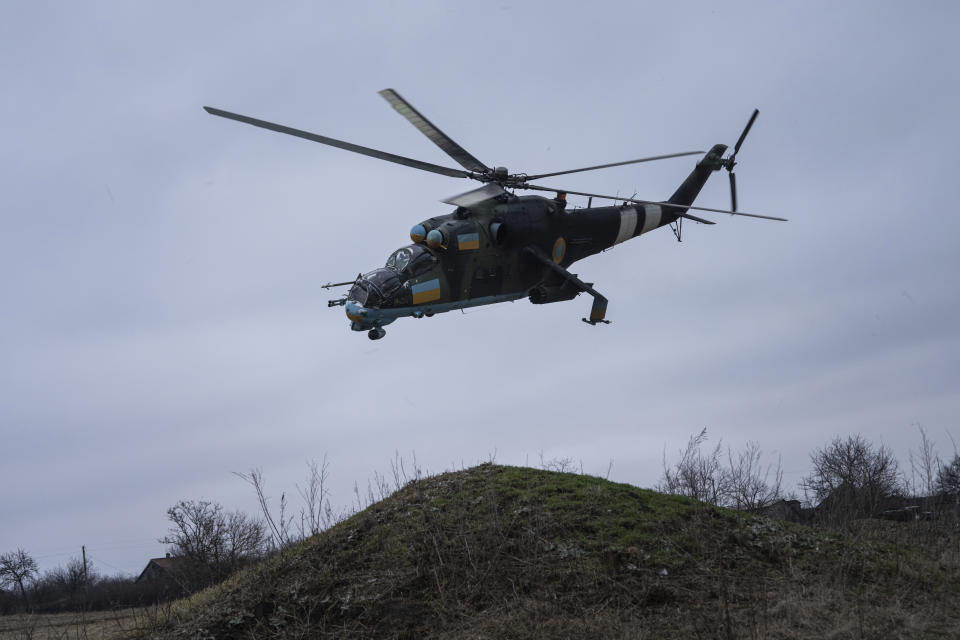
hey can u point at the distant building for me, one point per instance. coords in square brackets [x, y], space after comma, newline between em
[943, 506]
[160, 569]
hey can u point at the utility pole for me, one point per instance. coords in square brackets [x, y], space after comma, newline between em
[86, 586]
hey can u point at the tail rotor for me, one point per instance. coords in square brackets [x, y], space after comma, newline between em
[731, 161]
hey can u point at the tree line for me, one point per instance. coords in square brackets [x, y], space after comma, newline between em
[71, 587]
[205, 544]
[849, 478]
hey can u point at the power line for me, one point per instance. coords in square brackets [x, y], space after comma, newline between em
[92, 559]
[120, 544]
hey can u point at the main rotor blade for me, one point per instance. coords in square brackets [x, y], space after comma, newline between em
[427, 128]
[746, 130]
[373, 153]
[615, 164]
[662, 204]
[683, 214]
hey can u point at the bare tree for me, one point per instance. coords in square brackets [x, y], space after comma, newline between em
[851, 478]
[696, 475]
[748, 484]
[73, 577]
[560, 465]
[17, 567]
[744, 483]
[210, 543]
[948, 480]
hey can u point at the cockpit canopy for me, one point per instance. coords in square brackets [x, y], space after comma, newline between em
[375, 289]
[388, 286]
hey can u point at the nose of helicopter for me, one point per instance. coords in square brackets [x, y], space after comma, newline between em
[373, 299]
[362, 305]
[362, 318]
[355, 311]
[367, 318]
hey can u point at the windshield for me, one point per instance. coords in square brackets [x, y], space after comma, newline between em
[399, 259]
[375, 288]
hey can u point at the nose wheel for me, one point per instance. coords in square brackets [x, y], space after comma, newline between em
[376, 333]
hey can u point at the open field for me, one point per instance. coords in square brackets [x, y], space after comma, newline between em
[95, 625]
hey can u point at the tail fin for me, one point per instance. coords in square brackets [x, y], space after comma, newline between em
[690, 189]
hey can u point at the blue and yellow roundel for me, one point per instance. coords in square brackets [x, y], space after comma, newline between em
[559, 250]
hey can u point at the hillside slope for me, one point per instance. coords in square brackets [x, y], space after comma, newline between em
[509, 552]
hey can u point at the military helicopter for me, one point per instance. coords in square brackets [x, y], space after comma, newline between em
[497, 246]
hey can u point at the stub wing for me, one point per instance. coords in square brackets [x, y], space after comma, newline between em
[599, 309]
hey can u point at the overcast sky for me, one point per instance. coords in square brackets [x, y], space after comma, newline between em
[162, 322]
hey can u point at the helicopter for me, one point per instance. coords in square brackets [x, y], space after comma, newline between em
[497, 246]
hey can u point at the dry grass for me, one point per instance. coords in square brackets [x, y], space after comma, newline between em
[95, 625]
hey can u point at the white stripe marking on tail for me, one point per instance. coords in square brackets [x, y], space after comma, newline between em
[651, 217]
[628, 224]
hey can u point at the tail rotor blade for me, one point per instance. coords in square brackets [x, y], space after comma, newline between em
[746, 130]
[730, 162]
[733, 191]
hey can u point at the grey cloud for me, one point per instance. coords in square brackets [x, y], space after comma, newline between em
[162, 320]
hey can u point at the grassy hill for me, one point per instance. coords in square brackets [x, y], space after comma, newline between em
[509, 552]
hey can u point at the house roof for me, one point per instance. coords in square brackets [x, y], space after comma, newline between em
[163, 564]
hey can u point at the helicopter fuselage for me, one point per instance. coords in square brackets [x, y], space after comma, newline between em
[506, 248]
[494, 252]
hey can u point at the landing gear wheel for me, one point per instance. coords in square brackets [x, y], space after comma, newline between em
[376, 333]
